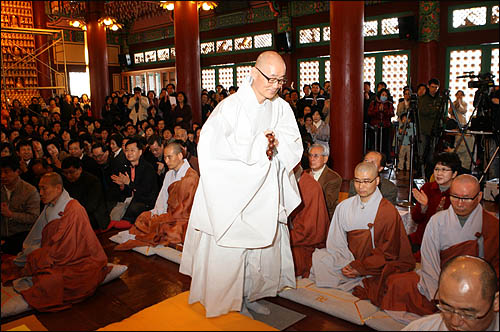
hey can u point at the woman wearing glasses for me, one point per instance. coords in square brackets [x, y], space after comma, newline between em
[433, 196]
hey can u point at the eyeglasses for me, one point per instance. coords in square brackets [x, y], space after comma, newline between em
[315, 155]
[358, 181]
[447, 310]
[443, 170]
[464, 199]
[273, 80]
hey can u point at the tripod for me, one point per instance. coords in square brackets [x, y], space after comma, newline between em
[409, 203]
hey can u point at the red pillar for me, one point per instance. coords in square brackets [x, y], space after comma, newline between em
[98, 57]
[427, 61]
[346, 65]
[43, 71]
[187, 51]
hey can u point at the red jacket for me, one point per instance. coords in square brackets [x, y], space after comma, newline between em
[376, 115]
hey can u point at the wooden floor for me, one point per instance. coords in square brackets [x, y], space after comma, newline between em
[150, 280]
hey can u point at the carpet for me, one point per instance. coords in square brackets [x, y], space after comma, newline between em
[29, 323]
[175, 314]
[280, 317]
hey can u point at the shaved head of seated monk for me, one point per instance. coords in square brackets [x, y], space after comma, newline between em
[465, 194]
[468, 294]
[174, 156]
[366, 180]
[51, 187]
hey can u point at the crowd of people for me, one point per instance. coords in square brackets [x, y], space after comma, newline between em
[137, 169]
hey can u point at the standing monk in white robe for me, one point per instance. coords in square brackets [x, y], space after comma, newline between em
[366, 242]
[237, 243]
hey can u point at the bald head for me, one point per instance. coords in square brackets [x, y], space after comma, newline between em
[468, 181]
[470, 273]
[52, 178]
[465, 194]
[269, 59]
[268, 75]
[366, 168]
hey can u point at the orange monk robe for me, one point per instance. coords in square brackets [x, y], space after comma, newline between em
[310, 224]
[444, 239]
[168, 228]
[68, 266]
[392, 252]
[371, 238]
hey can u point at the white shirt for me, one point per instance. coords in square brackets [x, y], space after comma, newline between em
[117, 152]
[172, 176]
[317, 174]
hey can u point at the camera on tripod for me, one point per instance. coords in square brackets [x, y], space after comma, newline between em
[485, 80]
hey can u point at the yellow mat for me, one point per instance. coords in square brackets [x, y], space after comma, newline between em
[175, 314]
[30, 323]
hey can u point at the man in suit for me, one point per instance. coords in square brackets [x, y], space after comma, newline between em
[329, 180]
[75, 148]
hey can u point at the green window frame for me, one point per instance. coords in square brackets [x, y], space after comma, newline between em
[486, 50]
[233, 65]
[488, 4]
[378, 65]
[232, 38]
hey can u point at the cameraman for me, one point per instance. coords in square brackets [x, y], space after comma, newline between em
[428, 111]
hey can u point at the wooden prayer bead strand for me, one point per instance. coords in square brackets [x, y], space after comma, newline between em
[270, 146]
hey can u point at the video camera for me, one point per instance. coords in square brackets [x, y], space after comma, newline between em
[485, 80]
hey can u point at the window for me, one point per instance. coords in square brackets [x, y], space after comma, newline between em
[327, 70]
[326, 33]
[395, 74]
[311, 35]
[469, 17]
[494, 65]
[243, 43]
[478, 15]
[308, 74]
[224, 45]
[226, 75]
[370, 28]
[241, 73]
[369, 71]
[390, 26]
[79, 83]
[208, 79]
[476, 59]
[263, 40]
[207, 48]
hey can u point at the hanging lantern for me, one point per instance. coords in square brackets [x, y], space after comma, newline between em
[168, 5]
[207, 5]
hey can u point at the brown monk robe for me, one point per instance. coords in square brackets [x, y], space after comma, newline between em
[69, 262]
[392, 252]
[309, 224]
[167, 228]
[404, 294]
[465, 228]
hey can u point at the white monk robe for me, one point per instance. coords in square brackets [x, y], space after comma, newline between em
[172, 176]
[237, 242]
[435, 323]
[34, 239]
[443, 231]
[351, 214]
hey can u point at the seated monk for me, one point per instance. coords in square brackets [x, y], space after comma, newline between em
[166, 224]
[62, 261]
[465, 228]
[308, 223]
[467, 296]
[366, 241]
